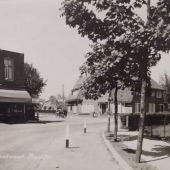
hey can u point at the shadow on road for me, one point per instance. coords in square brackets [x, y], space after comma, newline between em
[32, 122]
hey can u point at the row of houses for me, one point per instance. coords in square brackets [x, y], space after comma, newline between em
[128, 102]
[14, 99]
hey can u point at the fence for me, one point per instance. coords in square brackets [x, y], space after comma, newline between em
[156, 125]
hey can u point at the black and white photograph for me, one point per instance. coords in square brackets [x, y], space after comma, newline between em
[85, 84]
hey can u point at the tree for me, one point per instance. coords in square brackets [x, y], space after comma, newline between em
[106, 69]
[142, 42]
[104, 30]
[149, 47]
[34, 83]
[53, 100]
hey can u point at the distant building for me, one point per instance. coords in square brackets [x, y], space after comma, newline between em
[48, 105]
[77, 103]
[14, 99]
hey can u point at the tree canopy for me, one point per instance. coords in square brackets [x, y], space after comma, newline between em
[114, 24]
[34, 83]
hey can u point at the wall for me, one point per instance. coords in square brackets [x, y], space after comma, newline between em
[18, 82]
[121, 108]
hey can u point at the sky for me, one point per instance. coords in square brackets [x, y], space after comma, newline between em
[35, 28]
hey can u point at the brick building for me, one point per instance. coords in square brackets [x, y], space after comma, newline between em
[14, 99]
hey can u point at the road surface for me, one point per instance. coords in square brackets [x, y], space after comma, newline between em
[38, 146]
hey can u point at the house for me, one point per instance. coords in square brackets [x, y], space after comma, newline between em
[77, 104]
[14, 99]
[49, 105]
[129, 102]
[53, 104]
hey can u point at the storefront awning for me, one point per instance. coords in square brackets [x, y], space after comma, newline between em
[35, 100]
[14, 96]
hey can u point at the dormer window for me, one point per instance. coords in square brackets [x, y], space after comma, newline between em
[9, 69]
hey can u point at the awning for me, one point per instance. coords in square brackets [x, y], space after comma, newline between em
[35, 100]
[14, 96]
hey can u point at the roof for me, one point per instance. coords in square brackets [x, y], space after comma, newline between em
[14, 96]
[79, 83]
[122, 96]
[126, 94]
[155, 85]
[72, 98]
[76, 96]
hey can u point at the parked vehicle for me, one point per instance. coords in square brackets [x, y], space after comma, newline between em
[61, 113]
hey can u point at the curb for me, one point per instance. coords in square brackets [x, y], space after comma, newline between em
[121, 162]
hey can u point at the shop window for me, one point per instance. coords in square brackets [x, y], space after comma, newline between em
[9, 69]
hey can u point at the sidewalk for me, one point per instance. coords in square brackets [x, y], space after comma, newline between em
[156, 153]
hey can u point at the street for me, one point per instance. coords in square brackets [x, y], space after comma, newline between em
[41, 145]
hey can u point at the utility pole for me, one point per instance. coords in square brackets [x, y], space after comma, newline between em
[63, 101]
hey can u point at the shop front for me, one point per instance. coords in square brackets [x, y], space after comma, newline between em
[14, 103]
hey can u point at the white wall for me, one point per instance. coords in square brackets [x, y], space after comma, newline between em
[121, 108]
[87, 108]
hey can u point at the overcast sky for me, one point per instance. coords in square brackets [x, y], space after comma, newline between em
[35, 28]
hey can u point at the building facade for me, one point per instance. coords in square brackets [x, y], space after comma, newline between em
[77, 104]
[14, 99]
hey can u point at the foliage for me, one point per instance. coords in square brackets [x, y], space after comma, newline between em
[34, 83]
[53, 100]
[116, 28]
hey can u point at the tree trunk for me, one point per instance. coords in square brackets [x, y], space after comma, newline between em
[116, 114]
[141, 122]
[142, 103]
[109, 100]
[108, 126]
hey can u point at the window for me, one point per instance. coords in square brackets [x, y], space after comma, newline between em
[159, 94]
[161, 107]
[151, 107]
[168, 106]
[9, 69]
[153, 93]
[137, 107]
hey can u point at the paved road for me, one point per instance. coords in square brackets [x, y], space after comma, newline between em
[38, 146]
